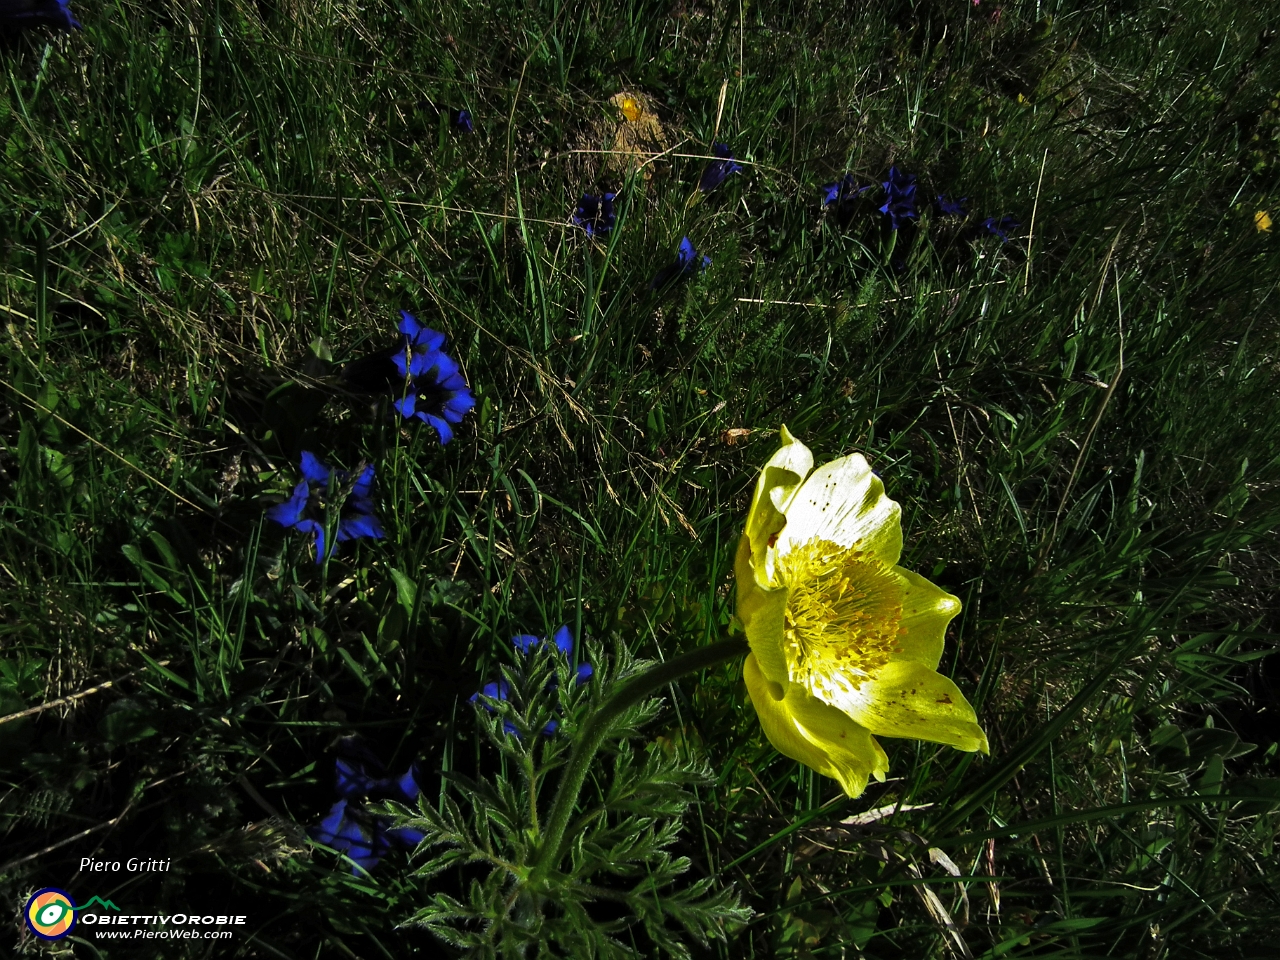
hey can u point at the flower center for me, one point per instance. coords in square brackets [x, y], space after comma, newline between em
[432, 396]
[843, 616]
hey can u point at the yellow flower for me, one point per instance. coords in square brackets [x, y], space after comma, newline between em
[845, 643]
[1262, 220]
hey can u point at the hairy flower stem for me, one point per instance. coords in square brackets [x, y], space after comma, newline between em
[597, 728]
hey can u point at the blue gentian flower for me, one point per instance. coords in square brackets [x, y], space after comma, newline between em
[359, 839]
[1000, 226]
[417, 339]
[525, 644]
[436, 391]
[842, 195]
[900, 198]
[595, 214]
[944, 206]
[405, 836]
[461, 120]
[563, 639]
[687, 263]
[386, 369]
[348, 828]
[17, 14]
[358, 773]
[353, 780]
[495, 691]
[356, 518]
[717, 171]
[843, 191]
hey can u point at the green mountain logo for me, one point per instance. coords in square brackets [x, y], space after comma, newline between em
[106, 905]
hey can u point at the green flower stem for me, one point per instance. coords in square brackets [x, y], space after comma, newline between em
[634, 691]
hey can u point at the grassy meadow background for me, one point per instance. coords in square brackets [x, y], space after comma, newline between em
[207, 207]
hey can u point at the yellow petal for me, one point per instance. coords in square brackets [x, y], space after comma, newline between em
[844, 503]
[813, 733]
[1262, 220]
[762, 613]
[907, 699]
[777, 484]
[926, 611]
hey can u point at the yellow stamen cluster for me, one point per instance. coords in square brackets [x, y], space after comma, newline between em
[844, 608]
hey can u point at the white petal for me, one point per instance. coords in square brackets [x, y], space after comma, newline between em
[844, 503]
[776, 486]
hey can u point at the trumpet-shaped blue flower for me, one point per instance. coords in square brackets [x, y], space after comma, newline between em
[417, 341]
[357, 837]
[595, 214]
[842, 196]
[525, 644]
[718, 170]
[944, 206]
[348, 828]
[499, 690]
[900, 198]
[687, 263]
[356, 518]
[358, 773]
[18, 14]
[1000, 226]
[843, 191]
[435, 390]
[461, 120]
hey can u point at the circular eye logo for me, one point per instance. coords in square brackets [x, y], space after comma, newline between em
[50, 913]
